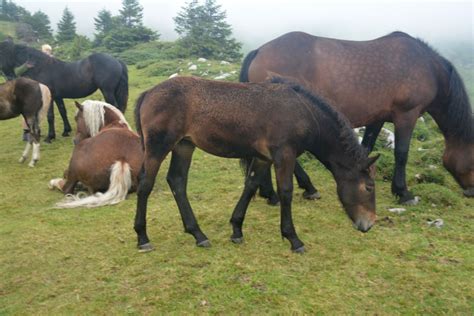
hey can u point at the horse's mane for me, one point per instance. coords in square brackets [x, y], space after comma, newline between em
[459, 118]
[35, 55]
[347, 137]
[93, 113]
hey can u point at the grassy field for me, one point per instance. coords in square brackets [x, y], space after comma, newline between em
[84, 261]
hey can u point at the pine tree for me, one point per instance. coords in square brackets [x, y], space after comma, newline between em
[41, 25]
[205, 33]
[131, 13]
[104, 23]
[66, 27]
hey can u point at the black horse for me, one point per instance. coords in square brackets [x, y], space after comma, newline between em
[68, 79]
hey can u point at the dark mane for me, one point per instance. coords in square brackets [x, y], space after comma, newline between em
[347, 136]
[459, 118]
[34, 55]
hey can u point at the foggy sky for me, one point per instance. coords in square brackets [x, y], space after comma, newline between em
[257, 21]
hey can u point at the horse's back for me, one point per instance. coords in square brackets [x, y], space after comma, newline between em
[394, 69]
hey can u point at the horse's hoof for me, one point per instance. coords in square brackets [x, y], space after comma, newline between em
[22, 159]
[145, 247]
[204, 244]
[237, 240]
[65, 134]
[274, 200]
[299, 250]
[469, 192]
[311, 196]
[32, 163]
[412, 201]
[49, 139]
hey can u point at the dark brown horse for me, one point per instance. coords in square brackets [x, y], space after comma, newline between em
[68, 79]
[106, 158]
[30, 99]
[395, 78]
[255, 122]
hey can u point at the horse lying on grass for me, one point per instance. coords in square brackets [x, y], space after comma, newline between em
[30, 99]
[264, 123]
[106, 158]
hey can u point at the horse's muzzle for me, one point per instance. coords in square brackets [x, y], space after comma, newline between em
[364, 223]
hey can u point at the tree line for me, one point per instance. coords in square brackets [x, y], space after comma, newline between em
[201, 26]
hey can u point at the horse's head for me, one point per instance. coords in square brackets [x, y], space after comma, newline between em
[7, 58]
[82, 130]
[458, 159]
[356, 190]
[93, 116]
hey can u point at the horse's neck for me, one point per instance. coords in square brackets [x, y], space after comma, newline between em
[111, 118]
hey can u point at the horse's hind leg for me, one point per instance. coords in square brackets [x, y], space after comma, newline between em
[63, 113]
[304, 182]
[109, 97]
[51, 129]
[177, 179]
[371, 133]
[256, 172]
[266, 187]
[33, 140]
[284, 168]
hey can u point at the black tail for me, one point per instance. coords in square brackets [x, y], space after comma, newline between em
[244, 77]
[121, 91]
[244, 70]
[138, 124]
[459, 111]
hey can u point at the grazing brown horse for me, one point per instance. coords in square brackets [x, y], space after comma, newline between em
[395, 78]
[30, 99]
[255, 122]
[106, 158]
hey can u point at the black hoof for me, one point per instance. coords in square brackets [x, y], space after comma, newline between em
[145, 247]
[204, 244]
[299, 250]
[237, 240]
[311, 196]
[65, 134]
[49, 139]
[412, 201]
[274, 200]
[469, 193]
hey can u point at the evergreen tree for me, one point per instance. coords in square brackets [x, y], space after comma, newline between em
[205, 33]
[41, 25]
[104, 23]
[131, 13]
[128, 30]
[66, 27]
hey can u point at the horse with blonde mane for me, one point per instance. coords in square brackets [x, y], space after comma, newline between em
[106, 159]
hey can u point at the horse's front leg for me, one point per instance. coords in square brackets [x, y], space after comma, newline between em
[304, 182]
[403, 132]
[63, 113]
[371, 133]
[256, 173]
[178, 179]
[284, 166]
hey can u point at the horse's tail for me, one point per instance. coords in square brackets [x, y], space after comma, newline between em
[244, 70]
[244, 77]
[121, 91]
[120, 184]
[138, 124]
[45, 102]
[459, 110]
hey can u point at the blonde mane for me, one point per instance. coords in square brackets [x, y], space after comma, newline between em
[93, 113]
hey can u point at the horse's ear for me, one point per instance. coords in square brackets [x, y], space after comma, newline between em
[371, 161]
[78, 105]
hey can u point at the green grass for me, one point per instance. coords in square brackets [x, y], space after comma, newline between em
[84, 261]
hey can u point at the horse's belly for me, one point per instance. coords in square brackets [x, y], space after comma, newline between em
[6, 110]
